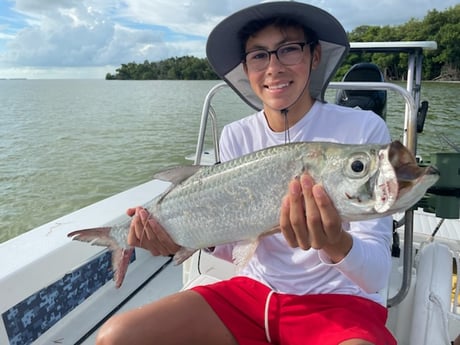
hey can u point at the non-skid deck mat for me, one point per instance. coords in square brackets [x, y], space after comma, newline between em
[30, 318]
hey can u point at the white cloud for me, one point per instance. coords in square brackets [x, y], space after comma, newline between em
[89, 33]
[354, 13]
[196, 17]
[4, 36]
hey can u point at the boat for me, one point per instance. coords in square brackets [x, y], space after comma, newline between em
[58, 291]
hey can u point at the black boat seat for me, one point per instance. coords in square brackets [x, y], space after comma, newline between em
[374, 100]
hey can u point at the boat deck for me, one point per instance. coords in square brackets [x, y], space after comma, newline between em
[166, 282]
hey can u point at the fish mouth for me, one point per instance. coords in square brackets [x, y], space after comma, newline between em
[400, 174]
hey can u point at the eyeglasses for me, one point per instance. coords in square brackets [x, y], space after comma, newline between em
[287, 54]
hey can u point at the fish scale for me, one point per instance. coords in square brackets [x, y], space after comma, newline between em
[239, 200]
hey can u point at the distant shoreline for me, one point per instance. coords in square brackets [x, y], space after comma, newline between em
[13, 78]
[442, 81]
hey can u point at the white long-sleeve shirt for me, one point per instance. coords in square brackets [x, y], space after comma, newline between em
[366, 268]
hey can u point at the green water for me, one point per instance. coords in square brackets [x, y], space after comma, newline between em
[65, 144]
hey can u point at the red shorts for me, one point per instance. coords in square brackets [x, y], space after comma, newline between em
[256, 315]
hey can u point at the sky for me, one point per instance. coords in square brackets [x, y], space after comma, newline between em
[68, 39]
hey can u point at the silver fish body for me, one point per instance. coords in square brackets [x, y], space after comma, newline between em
[240, 200]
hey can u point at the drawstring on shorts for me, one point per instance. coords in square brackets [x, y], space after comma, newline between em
[267, 306]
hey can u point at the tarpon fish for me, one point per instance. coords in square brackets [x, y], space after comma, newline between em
[239, 200]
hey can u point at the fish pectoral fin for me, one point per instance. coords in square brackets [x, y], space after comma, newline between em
[177, 174]
[271, 231]
[183, 254]
[243, 252]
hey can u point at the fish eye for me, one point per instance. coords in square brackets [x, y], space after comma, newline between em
[357, 166]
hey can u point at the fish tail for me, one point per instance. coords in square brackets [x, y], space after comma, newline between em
[121, 255]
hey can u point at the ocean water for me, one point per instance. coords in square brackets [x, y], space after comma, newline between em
[65, 144]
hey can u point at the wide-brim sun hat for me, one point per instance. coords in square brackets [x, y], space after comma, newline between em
[223, 48]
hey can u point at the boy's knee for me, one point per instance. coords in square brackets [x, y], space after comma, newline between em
[110, 333]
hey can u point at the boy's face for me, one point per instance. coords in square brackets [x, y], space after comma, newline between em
[280, 86]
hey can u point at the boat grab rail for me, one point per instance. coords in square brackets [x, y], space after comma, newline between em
[409, 140]
[208, 111]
